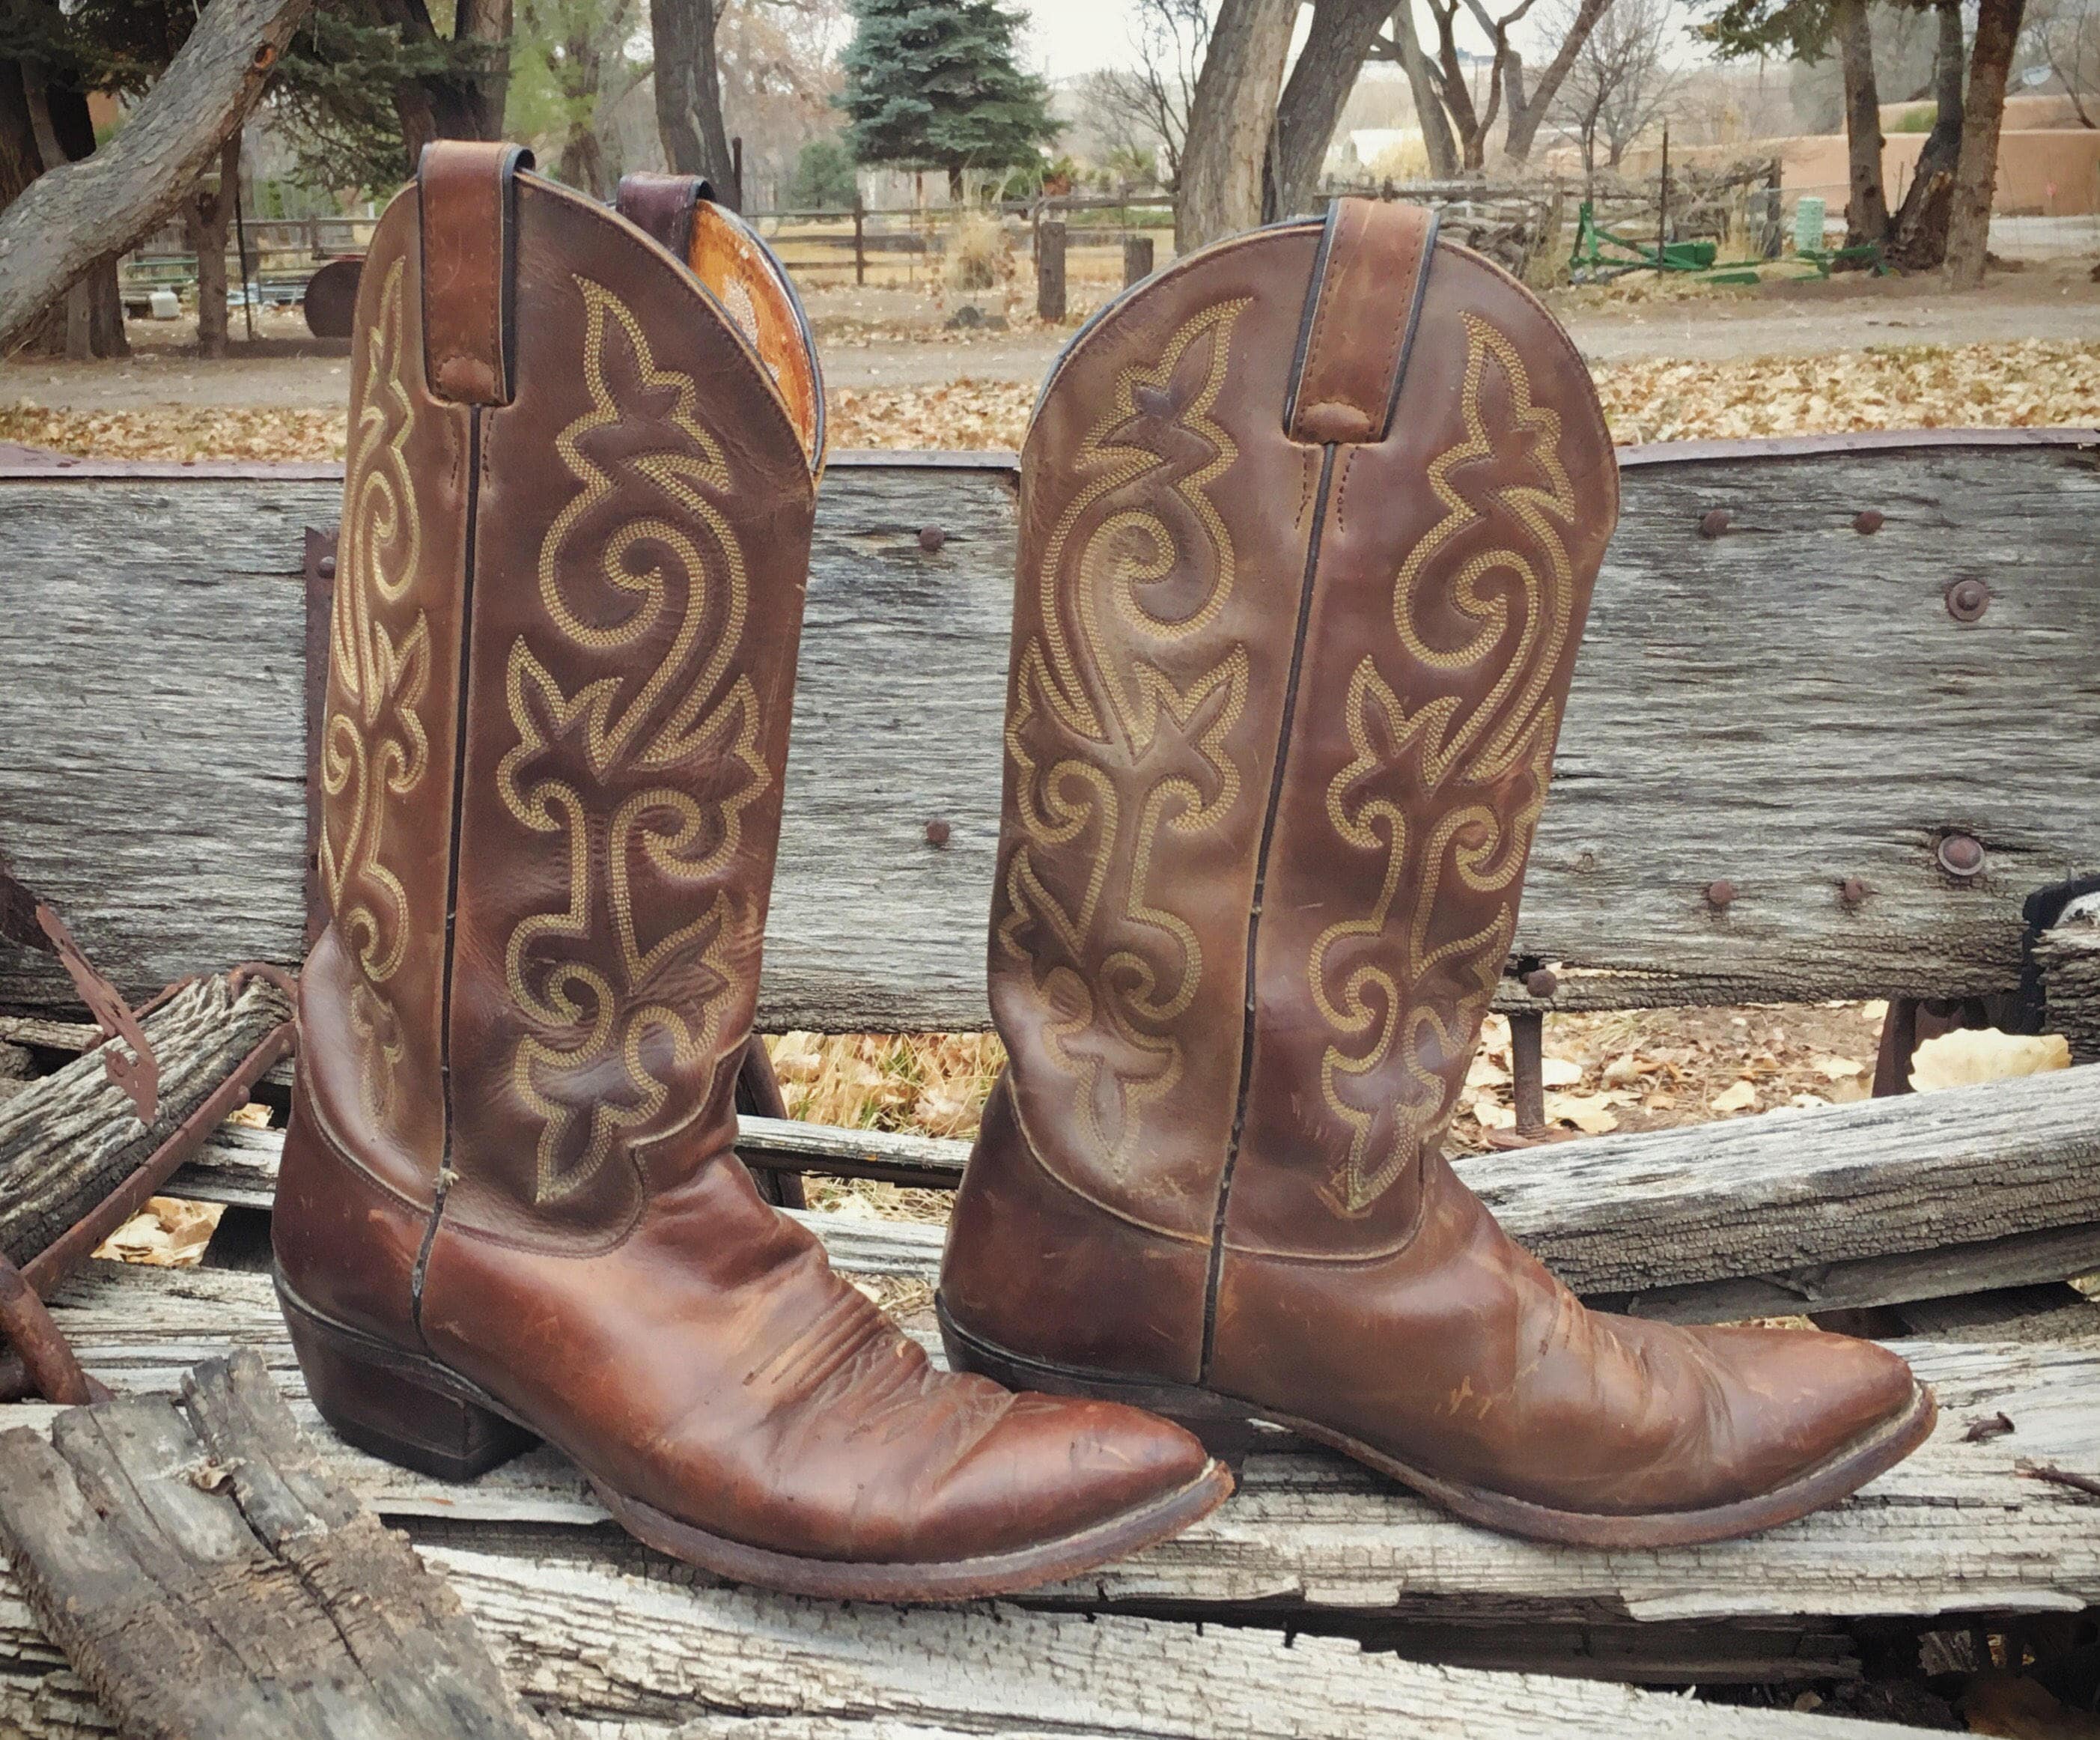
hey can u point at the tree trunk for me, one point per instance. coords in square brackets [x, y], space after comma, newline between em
[1457, 93]
[487, 22]
[1230, 120]
[1436, 140]
[206, 217]
[1918, 232]
[1867, 212]
[1334, 54]
[94, 313]
[1982, 115]
[1528, 110]
[88, 321]
[689, 114]
[71, 217]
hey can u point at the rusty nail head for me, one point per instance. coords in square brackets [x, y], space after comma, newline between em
[1870, 521]
[1713, 522]
[325, 568]
[1721, 894]
[1542, 982]
[937, 832]
[931, 538]
[1962, 855]
[1967, 599]
[1852, 891]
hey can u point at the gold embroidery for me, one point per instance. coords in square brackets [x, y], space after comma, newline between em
[1084, 729]
[609, 1041]
[375, 746]
[1419, 999]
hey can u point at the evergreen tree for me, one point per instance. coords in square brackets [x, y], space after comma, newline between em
[931, 86]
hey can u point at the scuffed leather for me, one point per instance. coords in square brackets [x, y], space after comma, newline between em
[578, 733]
[1285, 696]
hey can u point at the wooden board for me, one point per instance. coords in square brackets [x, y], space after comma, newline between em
[1957, 1528]
[1884, 1200]
[637, 1653]
[1784, 706]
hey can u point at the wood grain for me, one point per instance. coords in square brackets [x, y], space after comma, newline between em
[1786, 706]
[210, 1578]
[1884, 1200]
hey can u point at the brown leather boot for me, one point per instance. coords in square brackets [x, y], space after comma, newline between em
[575, 537]
[1309, 524]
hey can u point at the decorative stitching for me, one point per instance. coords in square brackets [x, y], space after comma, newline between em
[1409, 997]
[690, 715]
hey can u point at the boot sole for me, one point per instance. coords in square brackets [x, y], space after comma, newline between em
[408, 1409]
[1215, 1417]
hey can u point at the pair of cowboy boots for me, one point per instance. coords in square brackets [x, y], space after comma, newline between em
[1299, 600]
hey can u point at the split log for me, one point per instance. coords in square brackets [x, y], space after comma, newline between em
[70, 217]
[1957, 1528]
[1871, 1203]
[1787, 706]
[208, 1579]
[75, 1161]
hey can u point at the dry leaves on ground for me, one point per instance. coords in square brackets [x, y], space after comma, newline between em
[2031, 383]
[270, 435]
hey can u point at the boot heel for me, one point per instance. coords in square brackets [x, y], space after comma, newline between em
[391, 1409]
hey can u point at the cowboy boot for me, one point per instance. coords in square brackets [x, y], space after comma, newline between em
[1309, 525]
[577, 528]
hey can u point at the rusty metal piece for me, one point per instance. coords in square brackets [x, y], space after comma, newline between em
[1967, 599]
[74, 1246]
[1713, 522]
[1870, 522]
[931, 538]
[937, 831]
[47, 1359]
[1961, 855]
[330, 300]
[1721, 895]
[33, 923]
[1542, 982]
[1528, 1070]
[1852, 891]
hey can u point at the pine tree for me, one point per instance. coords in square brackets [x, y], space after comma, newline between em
[935, 86]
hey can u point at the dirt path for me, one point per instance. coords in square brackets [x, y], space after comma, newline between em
[897, 341]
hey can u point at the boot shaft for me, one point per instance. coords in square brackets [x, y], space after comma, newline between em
[576, 535]
[1309, 525]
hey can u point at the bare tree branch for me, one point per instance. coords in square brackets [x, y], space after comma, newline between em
[71, 217]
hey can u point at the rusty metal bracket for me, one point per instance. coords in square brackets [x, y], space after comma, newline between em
[35, 924]
[43, 1359]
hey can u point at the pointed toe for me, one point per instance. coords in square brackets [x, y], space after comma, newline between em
[1803, 1398]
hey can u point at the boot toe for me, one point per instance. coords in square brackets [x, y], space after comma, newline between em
[1053, 1468]
[1801, 1397]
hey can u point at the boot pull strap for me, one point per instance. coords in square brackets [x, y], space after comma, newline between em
[662, 206]
[1361, 313]
[468, 190]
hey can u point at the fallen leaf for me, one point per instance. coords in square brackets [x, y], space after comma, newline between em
[1485, 1072]
[1491, 1115]
[1589, 1113]
[1834, 1068]
[1558, 1072]
[1969, 1055]
[254, 1116]
[1739, 1097]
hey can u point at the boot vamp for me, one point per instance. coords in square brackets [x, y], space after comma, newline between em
[713, 1366]
[1460, 1357]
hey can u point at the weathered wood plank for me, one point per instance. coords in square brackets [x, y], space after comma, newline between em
[602, 1646]
[1786, 706]
[210, 1579]
[1871, 1203]
[73, 1138]
[1957, 1528]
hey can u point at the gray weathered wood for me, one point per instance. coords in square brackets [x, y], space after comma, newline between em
[1957, 1528]
[74, 1137]
[1786, 706]
[1883, 1200]
[210, 1579]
